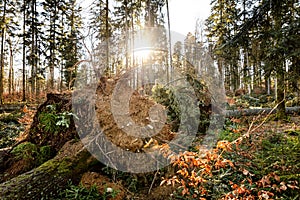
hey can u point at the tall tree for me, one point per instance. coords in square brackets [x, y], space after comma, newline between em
[2, 57]
[51, 14]
[9, 28]
[101, 26]
[23, 9]
[70, 44]
[221, 26]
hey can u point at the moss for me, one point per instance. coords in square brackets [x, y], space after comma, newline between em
[65, 166]
[32, 153]
[25, 150]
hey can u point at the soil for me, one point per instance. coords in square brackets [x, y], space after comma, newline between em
[103, 184]
[139, 109]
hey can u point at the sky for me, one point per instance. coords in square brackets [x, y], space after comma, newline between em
[184, 13]
[183, 16]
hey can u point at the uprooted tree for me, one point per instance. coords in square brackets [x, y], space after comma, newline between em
[54, 129]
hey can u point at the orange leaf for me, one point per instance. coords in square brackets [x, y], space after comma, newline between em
[245, 172]
[292, 186]
[283, 186]
[234, 186]
[25, 110]
[276, 177]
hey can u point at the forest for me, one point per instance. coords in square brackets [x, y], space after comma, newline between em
[103, 100]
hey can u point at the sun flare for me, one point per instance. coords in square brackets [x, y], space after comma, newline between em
[142, 54]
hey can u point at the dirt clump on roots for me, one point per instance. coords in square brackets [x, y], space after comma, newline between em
[125, 131]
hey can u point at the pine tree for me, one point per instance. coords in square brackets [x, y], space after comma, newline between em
[70, 42]
[9, 27]
[221, 26]
[51, 14]
[101, 26]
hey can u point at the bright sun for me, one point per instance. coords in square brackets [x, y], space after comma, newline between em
[142, 54]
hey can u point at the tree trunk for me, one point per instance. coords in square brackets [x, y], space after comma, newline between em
[3, 32]
[280, 100]
[24, 54]
[11, 70]
[169, 68]
[47, 180]
[277, 9]
[33, 50]
[107, 34]
[258, 111]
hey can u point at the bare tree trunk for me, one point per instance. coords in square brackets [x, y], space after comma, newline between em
[280, 63]
[169, 68]
[33, 53]
[107, 35]
[281, 94]
[10, 71]
[24, 54]
[3, 32]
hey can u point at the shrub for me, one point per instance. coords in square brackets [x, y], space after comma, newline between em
[52, 122]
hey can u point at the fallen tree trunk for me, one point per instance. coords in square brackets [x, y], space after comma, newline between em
[10, 108]
[47, 180]
[14, 107]
[257, 111]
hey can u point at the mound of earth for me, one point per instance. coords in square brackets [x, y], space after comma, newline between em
[46, 130]
[126, 134]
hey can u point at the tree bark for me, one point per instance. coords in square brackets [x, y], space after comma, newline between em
[47, 180]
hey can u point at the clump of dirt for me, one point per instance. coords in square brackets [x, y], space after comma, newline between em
[115, 190]
[158, 193]
[45, 131]
[140, 108]
[104, 185]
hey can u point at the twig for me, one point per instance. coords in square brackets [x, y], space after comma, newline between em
[151, 186]
[266, 118]
[250, 130]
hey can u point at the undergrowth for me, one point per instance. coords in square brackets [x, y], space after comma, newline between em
[241, 166]
[79, 192]
[10, 129]
[51, 121]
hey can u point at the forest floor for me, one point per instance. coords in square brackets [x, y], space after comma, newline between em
[256, 157]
